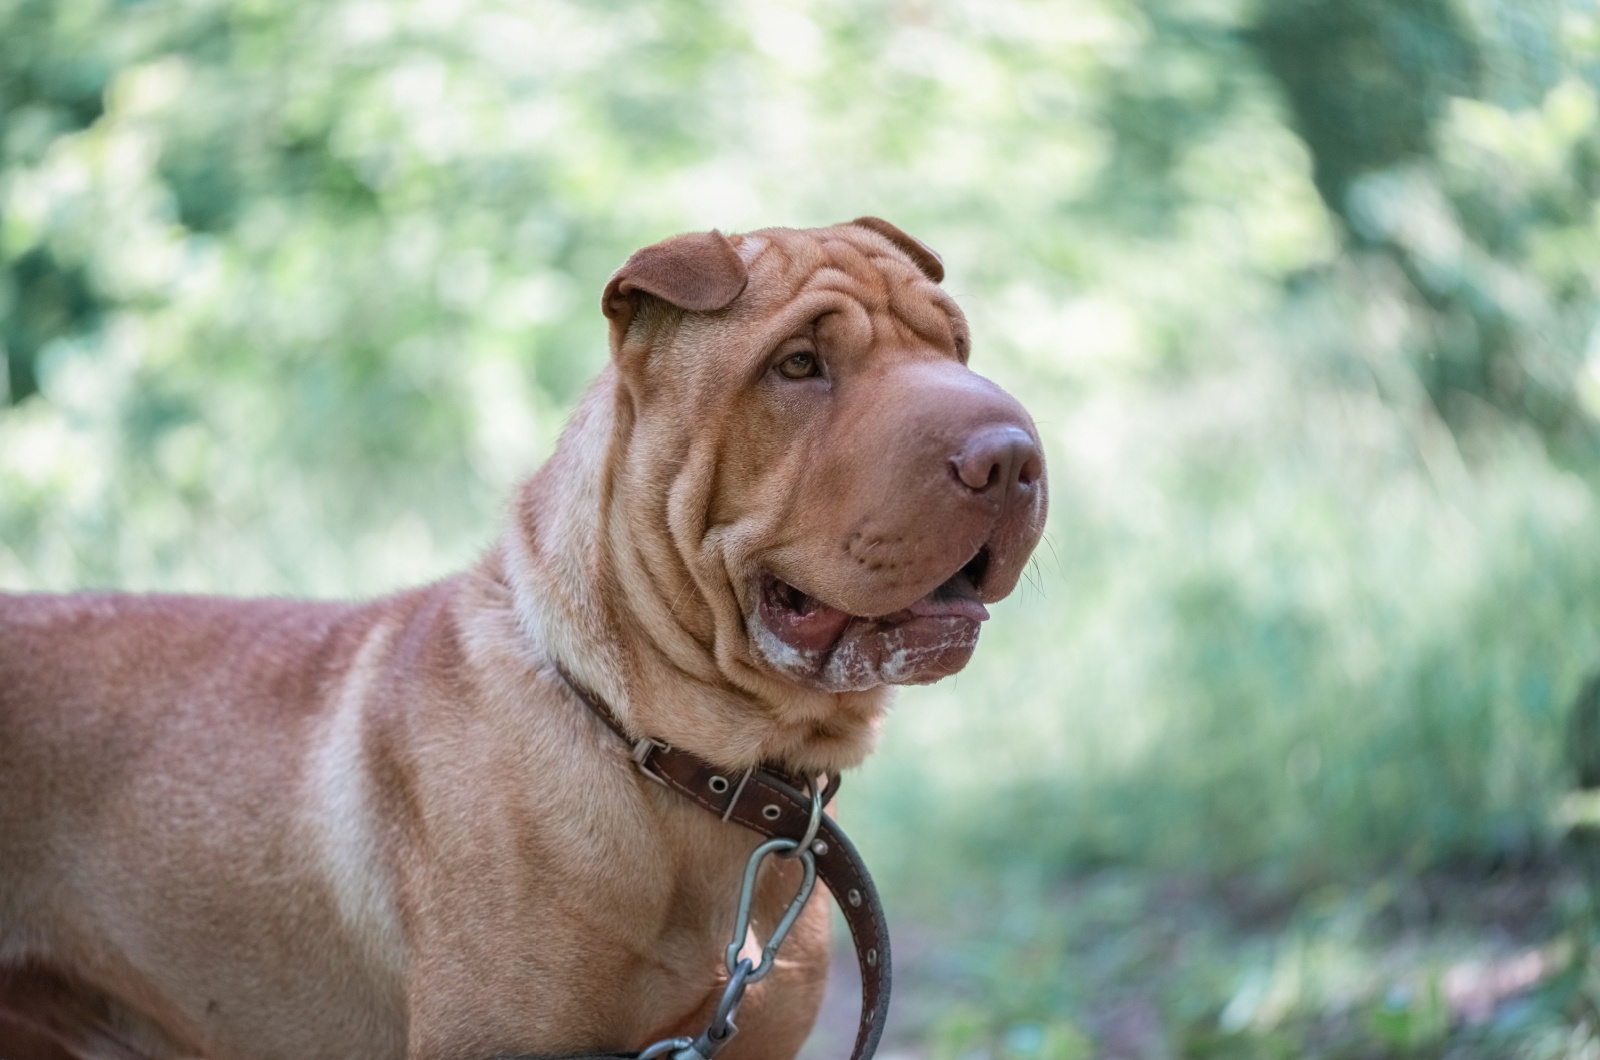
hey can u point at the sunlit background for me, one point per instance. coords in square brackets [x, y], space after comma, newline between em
[1273, 754]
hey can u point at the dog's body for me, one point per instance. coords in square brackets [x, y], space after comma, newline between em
[263, 829]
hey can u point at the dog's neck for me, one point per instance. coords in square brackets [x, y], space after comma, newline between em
[612, 598]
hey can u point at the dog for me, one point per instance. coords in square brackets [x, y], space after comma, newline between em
[264, 829]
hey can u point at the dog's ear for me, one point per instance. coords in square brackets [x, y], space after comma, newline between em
[700, 272]
[915, 249]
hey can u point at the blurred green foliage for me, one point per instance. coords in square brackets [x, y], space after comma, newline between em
[1303, 293]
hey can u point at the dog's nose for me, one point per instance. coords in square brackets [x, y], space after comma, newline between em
[997, 460]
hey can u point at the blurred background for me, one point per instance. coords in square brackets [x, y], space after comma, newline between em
[1279, 750]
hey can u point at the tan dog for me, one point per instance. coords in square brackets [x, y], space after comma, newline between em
[275, 829]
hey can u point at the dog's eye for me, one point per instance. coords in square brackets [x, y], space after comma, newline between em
[799, 366]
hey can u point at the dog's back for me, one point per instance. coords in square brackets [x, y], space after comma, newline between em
[119, 711]
[105, 700]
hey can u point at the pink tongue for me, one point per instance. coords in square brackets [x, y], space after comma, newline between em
[957, 607]
[819, 629]
[816, 630]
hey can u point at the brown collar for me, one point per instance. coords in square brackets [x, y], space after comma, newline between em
[767, 800]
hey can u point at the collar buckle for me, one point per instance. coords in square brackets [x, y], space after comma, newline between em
[643, 751]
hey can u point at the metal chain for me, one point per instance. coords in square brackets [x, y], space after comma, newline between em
[741, 970]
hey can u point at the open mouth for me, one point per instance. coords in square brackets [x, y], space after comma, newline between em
[930, 638]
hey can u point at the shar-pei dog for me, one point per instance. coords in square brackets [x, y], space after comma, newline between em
[288, 830]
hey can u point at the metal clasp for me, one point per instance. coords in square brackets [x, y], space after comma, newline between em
[641, 757]
[741, 971]
[741, 924]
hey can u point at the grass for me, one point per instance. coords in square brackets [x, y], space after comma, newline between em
[1141, 965]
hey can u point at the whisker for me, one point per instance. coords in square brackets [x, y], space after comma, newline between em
[1035, 574]
[1051, 545]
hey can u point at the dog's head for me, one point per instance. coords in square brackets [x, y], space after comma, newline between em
[816, 489]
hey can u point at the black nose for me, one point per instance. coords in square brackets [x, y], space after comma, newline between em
[997, 460]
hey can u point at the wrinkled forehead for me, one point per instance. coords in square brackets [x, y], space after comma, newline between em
[787, 265]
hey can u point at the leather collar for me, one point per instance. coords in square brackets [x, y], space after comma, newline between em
[769, 801]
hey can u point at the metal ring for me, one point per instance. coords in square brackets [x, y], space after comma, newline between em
[662, 1048]
[813, 824]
